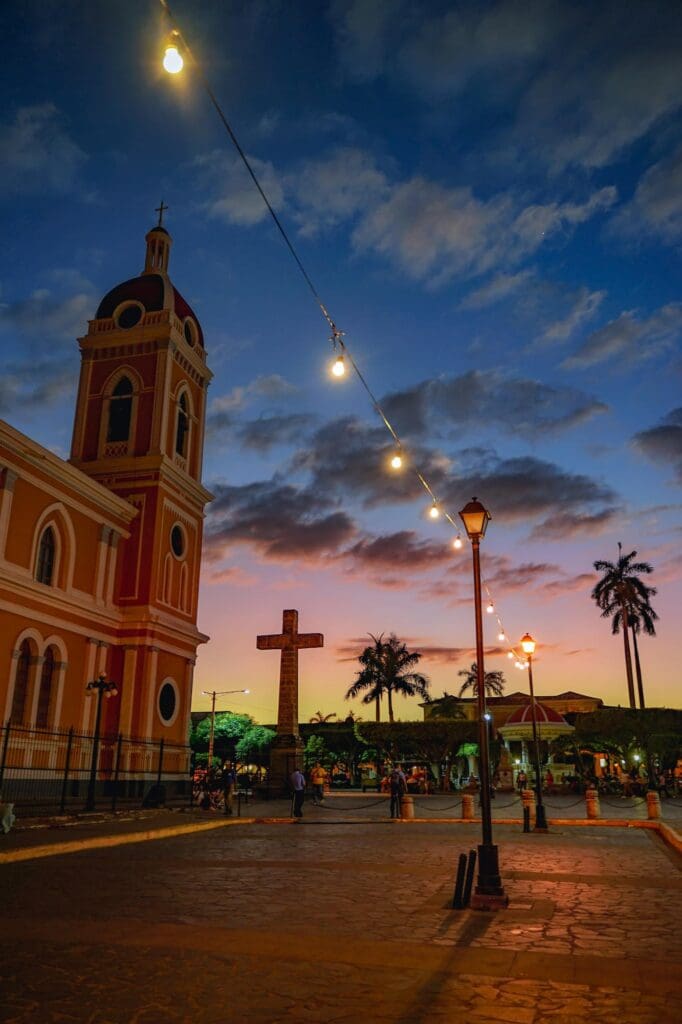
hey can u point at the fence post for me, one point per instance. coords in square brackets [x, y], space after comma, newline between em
[158, 774]
[114, 796]
[5, 743]
[67, 765]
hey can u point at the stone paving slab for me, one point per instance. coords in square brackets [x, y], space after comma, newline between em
[343, 923]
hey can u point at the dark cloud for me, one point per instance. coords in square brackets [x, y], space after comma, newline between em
[655, 210]
[36, 153]
[267, 431]
[562, 525]
[283, 523]
[584, 582]
[664, 442]
[36, 385]
[519, 405]
[401, 551]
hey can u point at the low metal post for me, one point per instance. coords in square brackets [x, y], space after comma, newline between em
[239, 803]
[158, 774]
[457, 901]
[526, 819]
[67, 765]
[469, 881]
[114, 796]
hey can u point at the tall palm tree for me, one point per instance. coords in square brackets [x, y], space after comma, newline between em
[640, 620]
[384, 666]
[621, 594]
[318, 718]
[493, 682]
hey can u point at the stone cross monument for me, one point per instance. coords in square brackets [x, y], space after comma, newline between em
[286, 752]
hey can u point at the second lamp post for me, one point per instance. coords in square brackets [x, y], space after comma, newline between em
[528, 644]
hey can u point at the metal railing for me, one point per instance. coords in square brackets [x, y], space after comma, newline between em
[46, 771]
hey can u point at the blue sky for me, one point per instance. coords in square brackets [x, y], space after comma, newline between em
[488, 198]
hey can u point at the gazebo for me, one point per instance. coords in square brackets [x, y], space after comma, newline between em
[519, 728]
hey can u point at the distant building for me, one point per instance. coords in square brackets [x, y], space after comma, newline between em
[568, 704]
[100, 554]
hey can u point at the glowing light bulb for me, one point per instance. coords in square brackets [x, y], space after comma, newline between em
[457, 542]
[501, 636]
[397, 461]
[172, 60]
[491, 608]
[434, 511]
[510, 654]
[339, 367]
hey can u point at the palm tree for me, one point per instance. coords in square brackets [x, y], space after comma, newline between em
[621, 595]
[493, 682]
[384, 666]
[641, 619]
[318, 718]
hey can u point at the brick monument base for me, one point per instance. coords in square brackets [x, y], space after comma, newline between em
[286, 754]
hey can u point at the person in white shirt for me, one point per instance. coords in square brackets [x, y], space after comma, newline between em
[297, 779]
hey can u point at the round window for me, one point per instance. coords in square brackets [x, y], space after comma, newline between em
[189, 332]
[177, 539]
[167, 702]
[129, 316]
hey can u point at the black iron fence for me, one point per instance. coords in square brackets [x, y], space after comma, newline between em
[46, 772]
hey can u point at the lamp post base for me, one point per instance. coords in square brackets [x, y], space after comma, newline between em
[540, 819]
[489, 893]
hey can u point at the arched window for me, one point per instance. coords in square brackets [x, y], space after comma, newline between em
[45, 562]
[45, 691]
[183, 426]
[21, 684]
[120, 411]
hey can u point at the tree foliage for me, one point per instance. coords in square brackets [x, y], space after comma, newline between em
[387, 668]
[493, 682]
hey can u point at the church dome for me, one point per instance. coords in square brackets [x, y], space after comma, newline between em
[152, 291]
[544, 715]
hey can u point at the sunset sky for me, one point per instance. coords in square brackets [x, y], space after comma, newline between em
[488, 197]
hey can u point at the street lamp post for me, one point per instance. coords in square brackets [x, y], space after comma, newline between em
[104, 689]
[528, 644]
[213, 694]
[489, 893]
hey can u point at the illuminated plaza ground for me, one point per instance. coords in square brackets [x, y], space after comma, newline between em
[337, 920]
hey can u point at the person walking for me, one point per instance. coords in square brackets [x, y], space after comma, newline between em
[398, 787]
[297, 779]
[317, 778]
[228, 782]
[521, 780]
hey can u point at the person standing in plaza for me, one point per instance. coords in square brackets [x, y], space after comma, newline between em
[521, 780]
[317, 778]
[398, 788]
[228, 782]
[298, 785]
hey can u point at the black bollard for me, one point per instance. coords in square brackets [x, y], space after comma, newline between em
[469, 881]
[458, 900]
[526, 819]
[239, 803]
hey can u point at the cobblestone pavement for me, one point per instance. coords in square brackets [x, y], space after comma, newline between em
[323, 921]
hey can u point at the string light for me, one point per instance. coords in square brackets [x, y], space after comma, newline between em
[173, 62]
[338, 366]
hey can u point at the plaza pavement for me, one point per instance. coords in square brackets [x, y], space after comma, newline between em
[344, 917]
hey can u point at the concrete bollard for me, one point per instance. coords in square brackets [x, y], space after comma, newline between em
[592, 807]
[653, 805]
[407, 806]
[528, 800]
[468, 806]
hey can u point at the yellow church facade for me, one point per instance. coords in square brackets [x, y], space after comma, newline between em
[100, 554]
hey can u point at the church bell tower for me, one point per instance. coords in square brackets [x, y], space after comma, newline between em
[139, 431]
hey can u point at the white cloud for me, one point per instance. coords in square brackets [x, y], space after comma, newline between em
[335, 189]
[37, 154]
[232, 195]
[656, 207]
[270, 386]
[435, 232]
[499, 288]
[631, 338]
[584, 306]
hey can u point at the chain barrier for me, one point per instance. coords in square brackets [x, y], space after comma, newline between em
[580, 800]
[637, 801]
[342, 806]
[495, 805]
[448, 807]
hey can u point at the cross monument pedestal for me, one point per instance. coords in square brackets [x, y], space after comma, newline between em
[286, 752]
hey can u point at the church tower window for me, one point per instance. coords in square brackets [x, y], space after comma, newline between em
[182, 427]
[21, 684]
[45, 691]
[45, 562]
[120, 411]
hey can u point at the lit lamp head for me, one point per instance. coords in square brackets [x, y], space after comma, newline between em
[475, 517]
[397, 461]
[528, 644]
[172, 58]
[338, 366]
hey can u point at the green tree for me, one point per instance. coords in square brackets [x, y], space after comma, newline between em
[493, 682]
[316, 750]
[621, 595]
[254, 743]
[447, 706]
[228, 731]
[387, 668]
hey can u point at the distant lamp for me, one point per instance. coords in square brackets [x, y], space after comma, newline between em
[501, 636]
[528, 644]
[490, 608]
[457, 543]
[338, 366]
[510, 654]
[434, 511]
[475, 518]
[397, 461]
[172, 58]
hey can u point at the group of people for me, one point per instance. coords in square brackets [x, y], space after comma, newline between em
[216, 790]
[318, 779]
